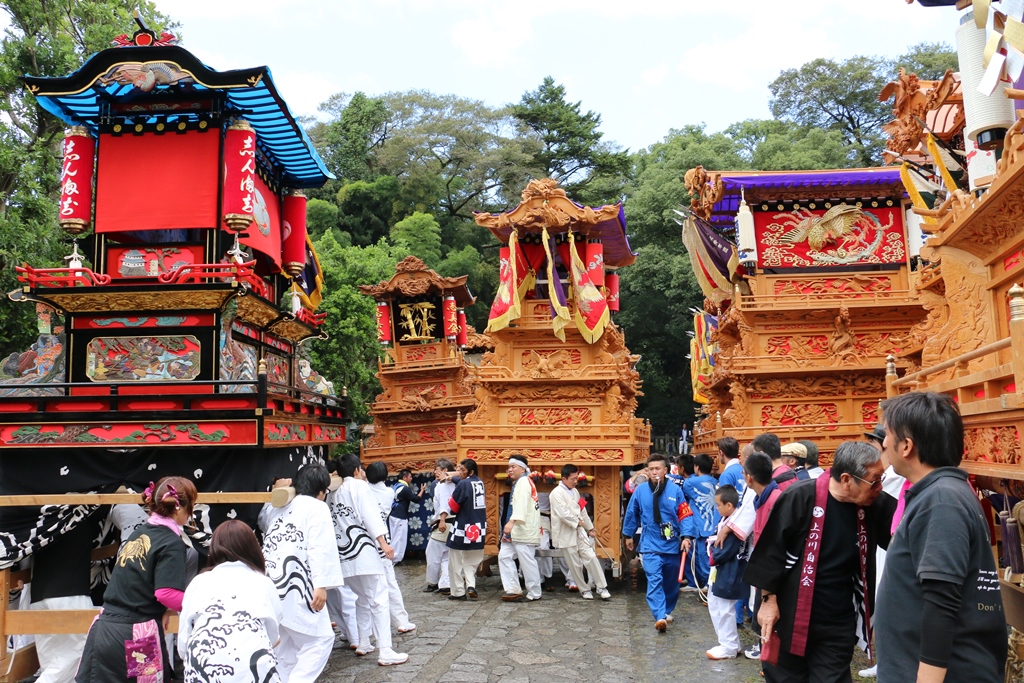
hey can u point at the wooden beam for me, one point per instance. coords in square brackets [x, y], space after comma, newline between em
[33, 621]
[124, 498]
[20, 665]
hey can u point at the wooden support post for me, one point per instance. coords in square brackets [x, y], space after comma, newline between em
[890, 376]
[1017, 335]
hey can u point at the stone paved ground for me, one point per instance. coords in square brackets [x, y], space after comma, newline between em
[560, 639]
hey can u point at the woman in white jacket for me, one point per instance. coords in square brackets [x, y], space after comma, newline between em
[231, 613]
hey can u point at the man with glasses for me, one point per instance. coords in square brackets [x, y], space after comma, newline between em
[815, 565]
[940, 608]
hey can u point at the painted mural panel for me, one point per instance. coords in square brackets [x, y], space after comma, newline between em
[143, 359]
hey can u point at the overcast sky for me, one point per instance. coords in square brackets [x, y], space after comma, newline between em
[645, 65]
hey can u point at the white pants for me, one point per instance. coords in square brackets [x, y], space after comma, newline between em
[372, 599]
[60, 655]
[581, 557]
[723, 616]
[399, 529]
[396, 604]
[462, 566]
[437, 564]
[301, 657]
[341, 606]
[545, 565]
[527, 563]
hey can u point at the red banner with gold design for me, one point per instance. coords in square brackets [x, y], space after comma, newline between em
[514, 279]
[591, 306]
[841, 234]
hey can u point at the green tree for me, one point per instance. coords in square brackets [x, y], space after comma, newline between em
[841, 96]
[453, 155]
[348, 142]
[657, 187]
[420, 235]
[349, 356]
[570, 148]
[321, 217]
[928, 60]
[368, 208]
[42, 39]
[773, 145]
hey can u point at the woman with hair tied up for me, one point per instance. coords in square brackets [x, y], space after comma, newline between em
[231, 612]
[125, 642]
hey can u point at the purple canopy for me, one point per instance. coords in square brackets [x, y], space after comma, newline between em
[834, 184]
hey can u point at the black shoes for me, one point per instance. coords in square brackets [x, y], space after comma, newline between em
[471, 593]
[444, 591]
[431, 588]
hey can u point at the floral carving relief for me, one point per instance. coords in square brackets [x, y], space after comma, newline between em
[1000, 445]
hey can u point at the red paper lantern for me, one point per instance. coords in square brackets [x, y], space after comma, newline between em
[76, 181]
[611, 286]
[451, 318]
[384, 322]
[293, 249]
[463, 332]
[595, 263]
[239, 172]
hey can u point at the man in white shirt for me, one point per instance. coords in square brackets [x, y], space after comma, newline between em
[571, 530]
[363, 548]
[437, 548]
[520, 535]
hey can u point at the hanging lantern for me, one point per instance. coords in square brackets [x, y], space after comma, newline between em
[463, 332]
[239, 174]
[611, 288]
[384, 322]
[745, 229]
[293, 248]
[76, 181]
[451, 318]
[595, 263]
[987, 115]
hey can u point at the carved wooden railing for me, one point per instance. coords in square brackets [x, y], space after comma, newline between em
[60, 277]
[22, 663]
[812, 299]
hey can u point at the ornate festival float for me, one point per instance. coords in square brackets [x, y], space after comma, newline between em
[421, 323]
[560, 385]
[172, 343]
[799, 321]
[973, 261]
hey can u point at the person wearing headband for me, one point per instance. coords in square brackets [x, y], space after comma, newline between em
[521, 535]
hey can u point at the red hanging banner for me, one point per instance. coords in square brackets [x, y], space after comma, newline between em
[293, 232]
[451, 318]
[591, 307]
[514, 279]
[76, 181]
[383, 322]
[463, 338]
[595, 263]
[239, 176]
[830, 235]
[611, 287]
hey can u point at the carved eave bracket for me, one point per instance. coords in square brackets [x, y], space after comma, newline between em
[914, 99]
[545, 205]
[705, 190]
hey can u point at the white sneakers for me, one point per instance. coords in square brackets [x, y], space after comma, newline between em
[407, 628]
[587, 595]
[719, 652]
[364, 649]
[869, 673]
[389, 657]
[605, 595]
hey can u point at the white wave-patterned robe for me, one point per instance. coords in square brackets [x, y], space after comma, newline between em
[229, 623]
[299, 547]
[357, 524]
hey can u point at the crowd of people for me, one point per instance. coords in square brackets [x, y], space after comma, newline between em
[267, 610]
[888, 547]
